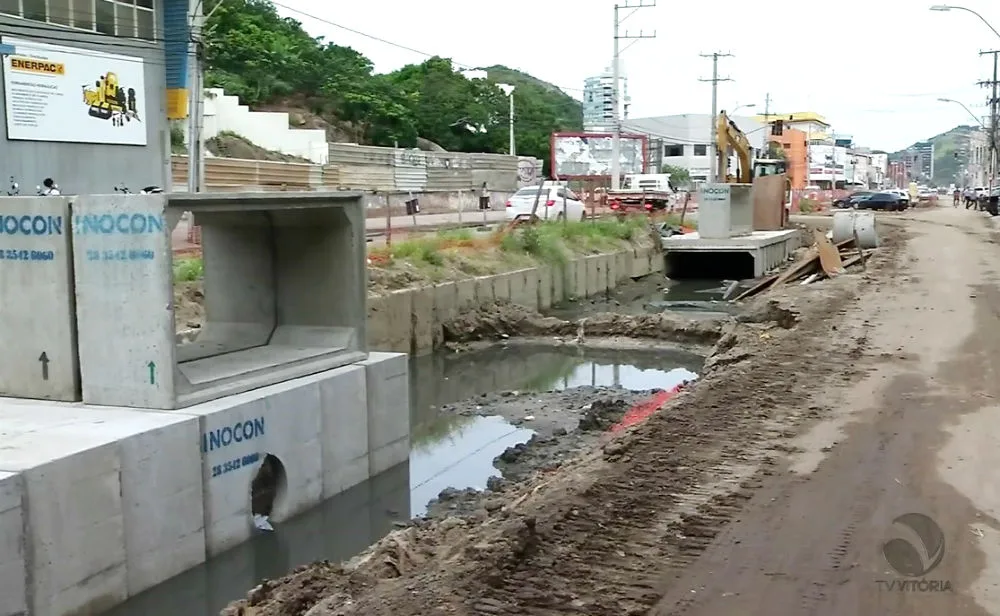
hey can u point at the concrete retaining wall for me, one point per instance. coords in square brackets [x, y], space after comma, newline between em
[410, 320]
[123, 499]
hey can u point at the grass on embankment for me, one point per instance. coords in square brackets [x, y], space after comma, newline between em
[461, 253]
[457, 254]
[188, 269]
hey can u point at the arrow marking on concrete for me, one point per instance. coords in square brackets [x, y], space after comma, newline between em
[152, 372]
[45, 365]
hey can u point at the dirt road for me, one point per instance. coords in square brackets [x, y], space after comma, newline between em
[919, 433]
[771, 487]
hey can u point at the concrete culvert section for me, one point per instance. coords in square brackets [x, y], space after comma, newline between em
[266, 488]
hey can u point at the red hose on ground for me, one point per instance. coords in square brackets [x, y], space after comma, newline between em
[642, 410]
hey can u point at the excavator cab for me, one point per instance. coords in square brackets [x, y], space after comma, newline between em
[769, 166]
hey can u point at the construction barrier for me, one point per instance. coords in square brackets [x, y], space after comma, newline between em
[806, 200]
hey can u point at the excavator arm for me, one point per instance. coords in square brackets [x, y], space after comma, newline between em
[729, 138]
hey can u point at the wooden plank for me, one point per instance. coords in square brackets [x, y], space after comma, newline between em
[829, 255]
[757, 288]
[805, 264]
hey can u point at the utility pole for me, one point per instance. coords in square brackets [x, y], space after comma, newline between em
[509, 91]
[713, 164]
[767, 108]
[196, 110]
[616, 137]
[994, 103]
[513, 151]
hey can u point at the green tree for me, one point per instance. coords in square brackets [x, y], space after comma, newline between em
[263, 58]
[678, 175]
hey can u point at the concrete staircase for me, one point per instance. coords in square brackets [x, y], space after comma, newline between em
[267, 129]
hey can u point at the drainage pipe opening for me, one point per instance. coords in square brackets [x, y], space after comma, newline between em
[267, 486]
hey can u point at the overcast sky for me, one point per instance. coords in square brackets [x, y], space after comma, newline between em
[874, 68]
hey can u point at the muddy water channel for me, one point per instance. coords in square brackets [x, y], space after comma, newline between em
[455, 439]
[692, 298]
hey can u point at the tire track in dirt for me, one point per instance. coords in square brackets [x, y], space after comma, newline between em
[804, 590]
[627, 563]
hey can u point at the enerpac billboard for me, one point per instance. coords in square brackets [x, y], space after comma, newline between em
[588, 155]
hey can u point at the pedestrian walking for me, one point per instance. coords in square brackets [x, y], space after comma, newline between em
[956, 197]
[484, 198]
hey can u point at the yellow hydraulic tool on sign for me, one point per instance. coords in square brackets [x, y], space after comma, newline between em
[106, 99]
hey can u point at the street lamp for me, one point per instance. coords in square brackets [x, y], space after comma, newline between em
[748, 106]
[974, 116]
[509, 91]
[948, 7]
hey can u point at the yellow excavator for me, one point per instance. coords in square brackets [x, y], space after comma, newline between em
[729, 140]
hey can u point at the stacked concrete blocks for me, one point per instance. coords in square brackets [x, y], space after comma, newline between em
[110, 491]
[13, 571]
[269, 318]
[124, 299]
[545, 287]
[388, 410]
[37, 314]
[411, 320]
[524, 287]
[316, 427]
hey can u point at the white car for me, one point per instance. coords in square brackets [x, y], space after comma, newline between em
[550, 203]
[903, 195]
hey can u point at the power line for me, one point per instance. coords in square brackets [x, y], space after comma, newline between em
[388, 42]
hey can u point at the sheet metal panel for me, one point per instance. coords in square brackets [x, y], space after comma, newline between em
[410, 170]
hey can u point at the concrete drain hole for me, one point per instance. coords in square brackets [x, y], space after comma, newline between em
[267, 487]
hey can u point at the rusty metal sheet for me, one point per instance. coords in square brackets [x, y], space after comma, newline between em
[236, 175]
[367, 177]
[350, 154]
[439, 179]
[493, 162]
[330, 176]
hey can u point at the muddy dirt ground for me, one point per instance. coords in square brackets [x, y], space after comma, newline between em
[784, 481]
[601, 535]
[565, 423]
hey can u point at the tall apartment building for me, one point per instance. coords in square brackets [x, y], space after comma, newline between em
[920, 161]
[598, 101]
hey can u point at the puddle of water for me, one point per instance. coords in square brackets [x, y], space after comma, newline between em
[446, 451]
[695, 298]
[463, 458]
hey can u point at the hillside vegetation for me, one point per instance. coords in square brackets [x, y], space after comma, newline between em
[946, 165]
[271, 62]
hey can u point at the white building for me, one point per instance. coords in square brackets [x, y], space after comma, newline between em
[879, 171]
[686, 139]
[598, 101]
[976, 155]
[827, 165]
[858, 169]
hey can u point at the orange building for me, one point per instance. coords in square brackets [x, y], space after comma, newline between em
[794, 144]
